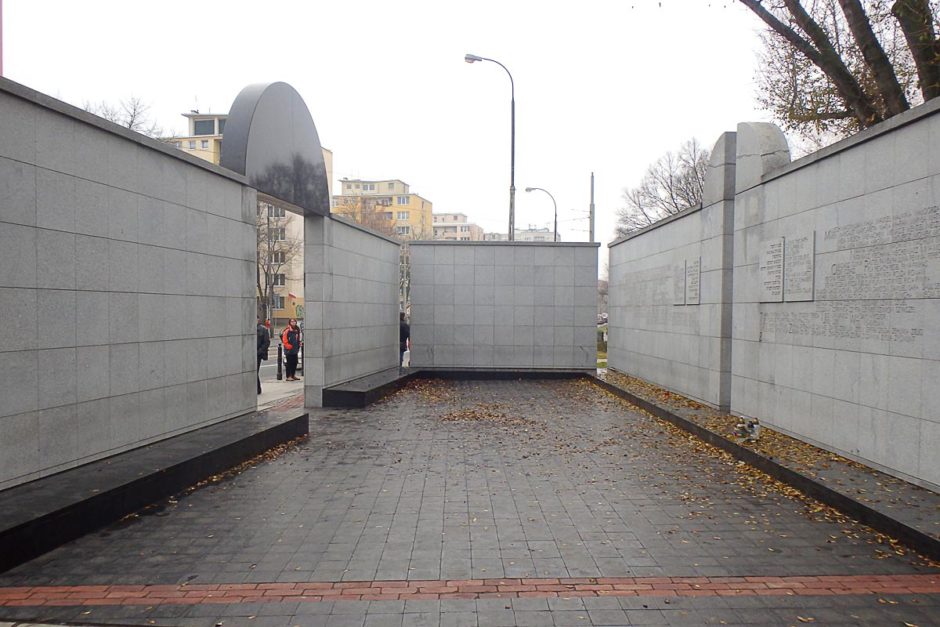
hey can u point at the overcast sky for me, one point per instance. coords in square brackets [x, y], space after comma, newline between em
[600, 86]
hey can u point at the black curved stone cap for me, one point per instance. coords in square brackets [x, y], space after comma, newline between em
[271, 139]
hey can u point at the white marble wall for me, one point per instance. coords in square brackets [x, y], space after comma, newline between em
[661, 329]
[126, 289]
[854, 370]
[351, 296]
[493, 305]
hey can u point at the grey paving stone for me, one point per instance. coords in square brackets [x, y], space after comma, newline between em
[535, 618]
[570, 483]
[608, 617]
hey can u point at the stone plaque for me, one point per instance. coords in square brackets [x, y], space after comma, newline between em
[771, 270]
[799, 264]
[693, 273]
[678, 283]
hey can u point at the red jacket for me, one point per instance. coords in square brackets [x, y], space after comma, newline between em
[290, 338]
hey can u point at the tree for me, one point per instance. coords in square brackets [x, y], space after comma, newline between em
[372, 212]
[672, 183]
[132, 113]
[833, 67]
[276, 252]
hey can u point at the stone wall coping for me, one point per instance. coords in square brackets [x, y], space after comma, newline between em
[656, 225]
[40, 99]
[911, 116]
[444, 242]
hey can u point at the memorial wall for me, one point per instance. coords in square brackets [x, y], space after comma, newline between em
[351, 298]
[669, 294]
[835, 302]
[127, 294]
[504, 305]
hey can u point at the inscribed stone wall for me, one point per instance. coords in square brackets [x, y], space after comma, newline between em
[669, 294]
[126, 289]
[843, 347]
[351, 325]
[492, 305]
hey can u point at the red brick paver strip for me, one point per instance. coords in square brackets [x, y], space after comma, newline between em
[469, 589]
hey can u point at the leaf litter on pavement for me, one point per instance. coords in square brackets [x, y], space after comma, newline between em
[456, 403]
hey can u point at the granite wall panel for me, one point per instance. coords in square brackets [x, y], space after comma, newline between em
[351, 295]
[98, 227]
[826, 277]
[503, 305]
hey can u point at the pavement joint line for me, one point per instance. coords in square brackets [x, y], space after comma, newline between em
[398, 590]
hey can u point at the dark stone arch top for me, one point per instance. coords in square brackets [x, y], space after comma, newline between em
[271, 139]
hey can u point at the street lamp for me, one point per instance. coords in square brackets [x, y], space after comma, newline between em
[472, 58]
[532, 189]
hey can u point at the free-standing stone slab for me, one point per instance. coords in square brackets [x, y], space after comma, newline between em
[270, 137]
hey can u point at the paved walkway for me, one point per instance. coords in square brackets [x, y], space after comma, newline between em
[483, 503]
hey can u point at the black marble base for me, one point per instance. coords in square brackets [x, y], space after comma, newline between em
[38, 516]
[364, 391]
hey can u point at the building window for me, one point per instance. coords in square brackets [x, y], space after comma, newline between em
[276, 212]
[402, 215]
[280, 279]
[221, 126]
[192, 144]
[371, 187]
[205, 144]
[357, 185]
[402, 200]
[204, 127]
[464, 229]
[387, 215]
[278, 302]
[278, 256]
[278, 234]
[391, 186]
[403, 230]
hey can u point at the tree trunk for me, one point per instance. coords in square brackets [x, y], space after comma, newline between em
[823, 56]
[916, 22]
[875, 57]
[834, 68]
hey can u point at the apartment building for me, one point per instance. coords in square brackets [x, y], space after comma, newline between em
[387, 206]
[455, 226]
[531, 234]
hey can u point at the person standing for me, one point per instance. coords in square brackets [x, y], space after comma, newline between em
[290, 338]
[404, 337]
[264, 341]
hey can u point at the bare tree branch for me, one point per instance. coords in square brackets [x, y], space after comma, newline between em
[674, 182]
[822, 59]
[132, 113]
[823, 55]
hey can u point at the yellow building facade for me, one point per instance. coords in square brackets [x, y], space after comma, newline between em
[387, 206]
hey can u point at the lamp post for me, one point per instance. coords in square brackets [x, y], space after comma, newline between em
[532, 189]
[472, 58]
